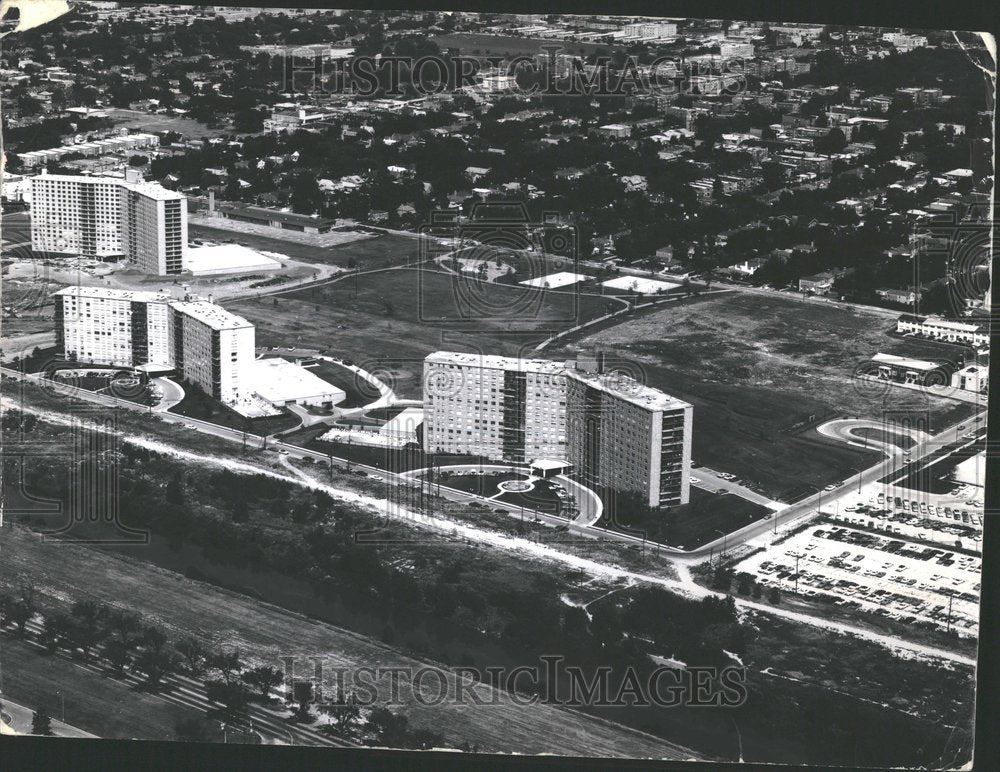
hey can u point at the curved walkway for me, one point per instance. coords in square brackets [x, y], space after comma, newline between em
[173, 394]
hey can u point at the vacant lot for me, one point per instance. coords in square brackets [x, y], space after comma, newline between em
[366, 252]
[761, 372]
[387, 322]
[148, 122]
[689, 525]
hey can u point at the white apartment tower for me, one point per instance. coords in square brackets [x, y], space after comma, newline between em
[493, 406]
[105, 217]
[623, 435]
[207, 346]
[212, 349]
[113, 327]
[616, 432]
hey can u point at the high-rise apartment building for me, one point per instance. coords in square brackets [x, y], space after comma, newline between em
[207, 345]
[623, 435]
[498, 407]
[106, 217]
[212, 349]
[616, 432]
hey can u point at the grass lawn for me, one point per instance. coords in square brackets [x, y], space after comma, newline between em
[148, 122]
[358, 390]
[197, 404]
[97, 704]
[689, 525]
[881, 435]
[367, 252]
[479, 484]
[389, 321]
[761, 372]
[541, 498]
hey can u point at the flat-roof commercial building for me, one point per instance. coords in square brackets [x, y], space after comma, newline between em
[615, 432]
[948, 330]
[204, 343]
[99, 147]
[283, 383]
[104, 217]
[226, 258]
[900, 369]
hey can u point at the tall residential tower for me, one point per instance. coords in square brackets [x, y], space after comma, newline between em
[104, 217]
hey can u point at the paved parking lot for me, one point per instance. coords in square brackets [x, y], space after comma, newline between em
[952, 520]
[876, 573]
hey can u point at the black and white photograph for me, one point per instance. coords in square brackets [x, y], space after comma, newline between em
[501, 384]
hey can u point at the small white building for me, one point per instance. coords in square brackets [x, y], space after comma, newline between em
[226, 258]
[283, 383]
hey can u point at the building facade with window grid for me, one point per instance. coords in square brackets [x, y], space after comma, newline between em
[104, 217]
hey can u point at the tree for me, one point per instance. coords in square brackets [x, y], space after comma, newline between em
[227, 664]
[263, 679]
[88, 627]
[233, 695]
[126, 627]
[774, 596]
[41, 723]
[343, 712]
[156, 659]
[56, 628]
[175, 489]
[833, 142]
[389, 728]
[21, 611]
[194, 654]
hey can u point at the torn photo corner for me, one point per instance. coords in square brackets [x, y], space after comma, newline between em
[539, 384]
[30, 13]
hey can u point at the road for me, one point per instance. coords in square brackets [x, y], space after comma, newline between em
[21, 719]
[806, 508]
[524, 547]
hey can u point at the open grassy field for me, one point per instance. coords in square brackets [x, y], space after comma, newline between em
[367, 252]
[94, 703]
[689, 525]
[761, 372]
[148, 122]
[264, 633]
[387, 322]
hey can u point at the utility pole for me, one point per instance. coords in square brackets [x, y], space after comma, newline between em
[797, 556]
[950, 599]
